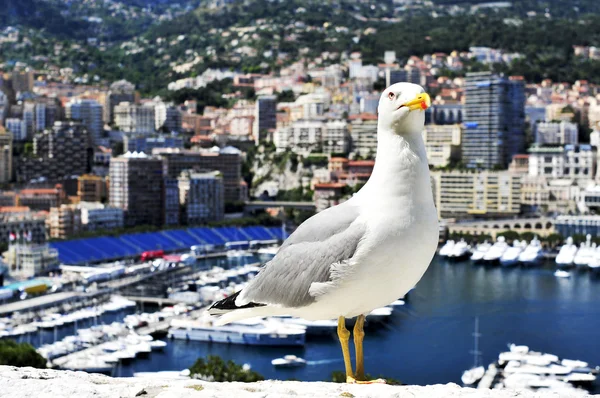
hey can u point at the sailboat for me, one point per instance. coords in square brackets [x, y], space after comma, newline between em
[473, 375]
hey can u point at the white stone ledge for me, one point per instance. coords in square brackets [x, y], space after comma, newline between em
[38, 383]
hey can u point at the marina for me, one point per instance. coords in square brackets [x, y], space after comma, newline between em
[415, 327]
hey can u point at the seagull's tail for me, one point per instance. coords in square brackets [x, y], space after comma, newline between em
[229, 311]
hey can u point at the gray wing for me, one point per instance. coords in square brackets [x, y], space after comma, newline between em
[306, 257]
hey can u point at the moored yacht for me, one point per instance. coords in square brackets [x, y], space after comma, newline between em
[248, 332]
[288, 361]
[480, 251]
[566, 255]
[460, 250]
[533, 254]
[447, 248]
[496, 251]
[511, 256]
[585, 253]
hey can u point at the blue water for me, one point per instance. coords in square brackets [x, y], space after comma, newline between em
[428, 340]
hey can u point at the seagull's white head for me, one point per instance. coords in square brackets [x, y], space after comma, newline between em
[402, 108]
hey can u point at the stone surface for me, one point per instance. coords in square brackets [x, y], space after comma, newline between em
[29, 382]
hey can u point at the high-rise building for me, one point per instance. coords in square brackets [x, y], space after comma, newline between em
[120, 91]
[17, 128]
[167, 117]
[64, 221]
[265, 117]
[22, 81]
[29, 117]
[442, 143]
[42, 198]
[556, 133]
[6, 162]
[336, 138]
[39, 122]
[89, 113]
[132, 118]
[171, 201]
[136, 187]
[201, 195]
[227, 160]
[494, 119]
[363, 130]
[467, 194]
[98, 217]
[147, 143]
[60, 152]
[448, 113]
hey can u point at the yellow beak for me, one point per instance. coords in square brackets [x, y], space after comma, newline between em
[421, 101]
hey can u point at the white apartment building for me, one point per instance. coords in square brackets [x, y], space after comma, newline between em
[303, 136]
[336, 138]
[132, 118]
[442, 143]
[363, 130]
[25, 260]
[485, 193]
[562, 133]
[568, 161]
[96, 216]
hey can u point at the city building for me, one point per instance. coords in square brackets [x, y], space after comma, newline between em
[64, 221]
[363, 131]
[577, 225]
[92, 188]
[519, 164]
[167, 118]
[120, 91]
[22, 225]
[442, 143]
[336, 138]
[227, 160]
[58, 153]
[306, 136]
[89, 113]
[136, 187]
[17, 128]
[42, 198]
[541, 194]
[6, 156]
[494, 120]
[22, 81]
[132, 118]
[482, 194]
[327, 195]
[147, 143]
[561, 133]
[563, 161]
[171, 201]
[98, 217]
[265, 117]
[447, 113]
[29, 118]
[201, 196]
[26, 260]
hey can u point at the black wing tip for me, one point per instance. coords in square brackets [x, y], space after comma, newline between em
[228, 304]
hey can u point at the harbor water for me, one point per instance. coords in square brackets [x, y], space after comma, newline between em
[428, 340]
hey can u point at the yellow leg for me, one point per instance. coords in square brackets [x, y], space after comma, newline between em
[344, 336]
[359, 335]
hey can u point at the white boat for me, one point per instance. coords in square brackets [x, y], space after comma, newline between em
[586, 252]
[157, 344]
[268, 250]
[379, 314]
[473, 375]
[447, 248]
[496, 251]
[248, 332]
[288, 361]
[533, 254]
[511, 255]
[559, 273]
[480, 251]
[460, 250]
[566, 255]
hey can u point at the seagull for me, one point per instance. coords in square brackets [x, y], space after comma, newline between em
[364, 253]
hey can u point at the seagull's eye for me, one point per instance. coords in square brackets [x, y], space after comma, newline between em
[391, 95]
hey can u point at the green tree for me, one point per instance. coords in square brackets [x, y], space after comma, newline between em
[214, 368]
[20, 354]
